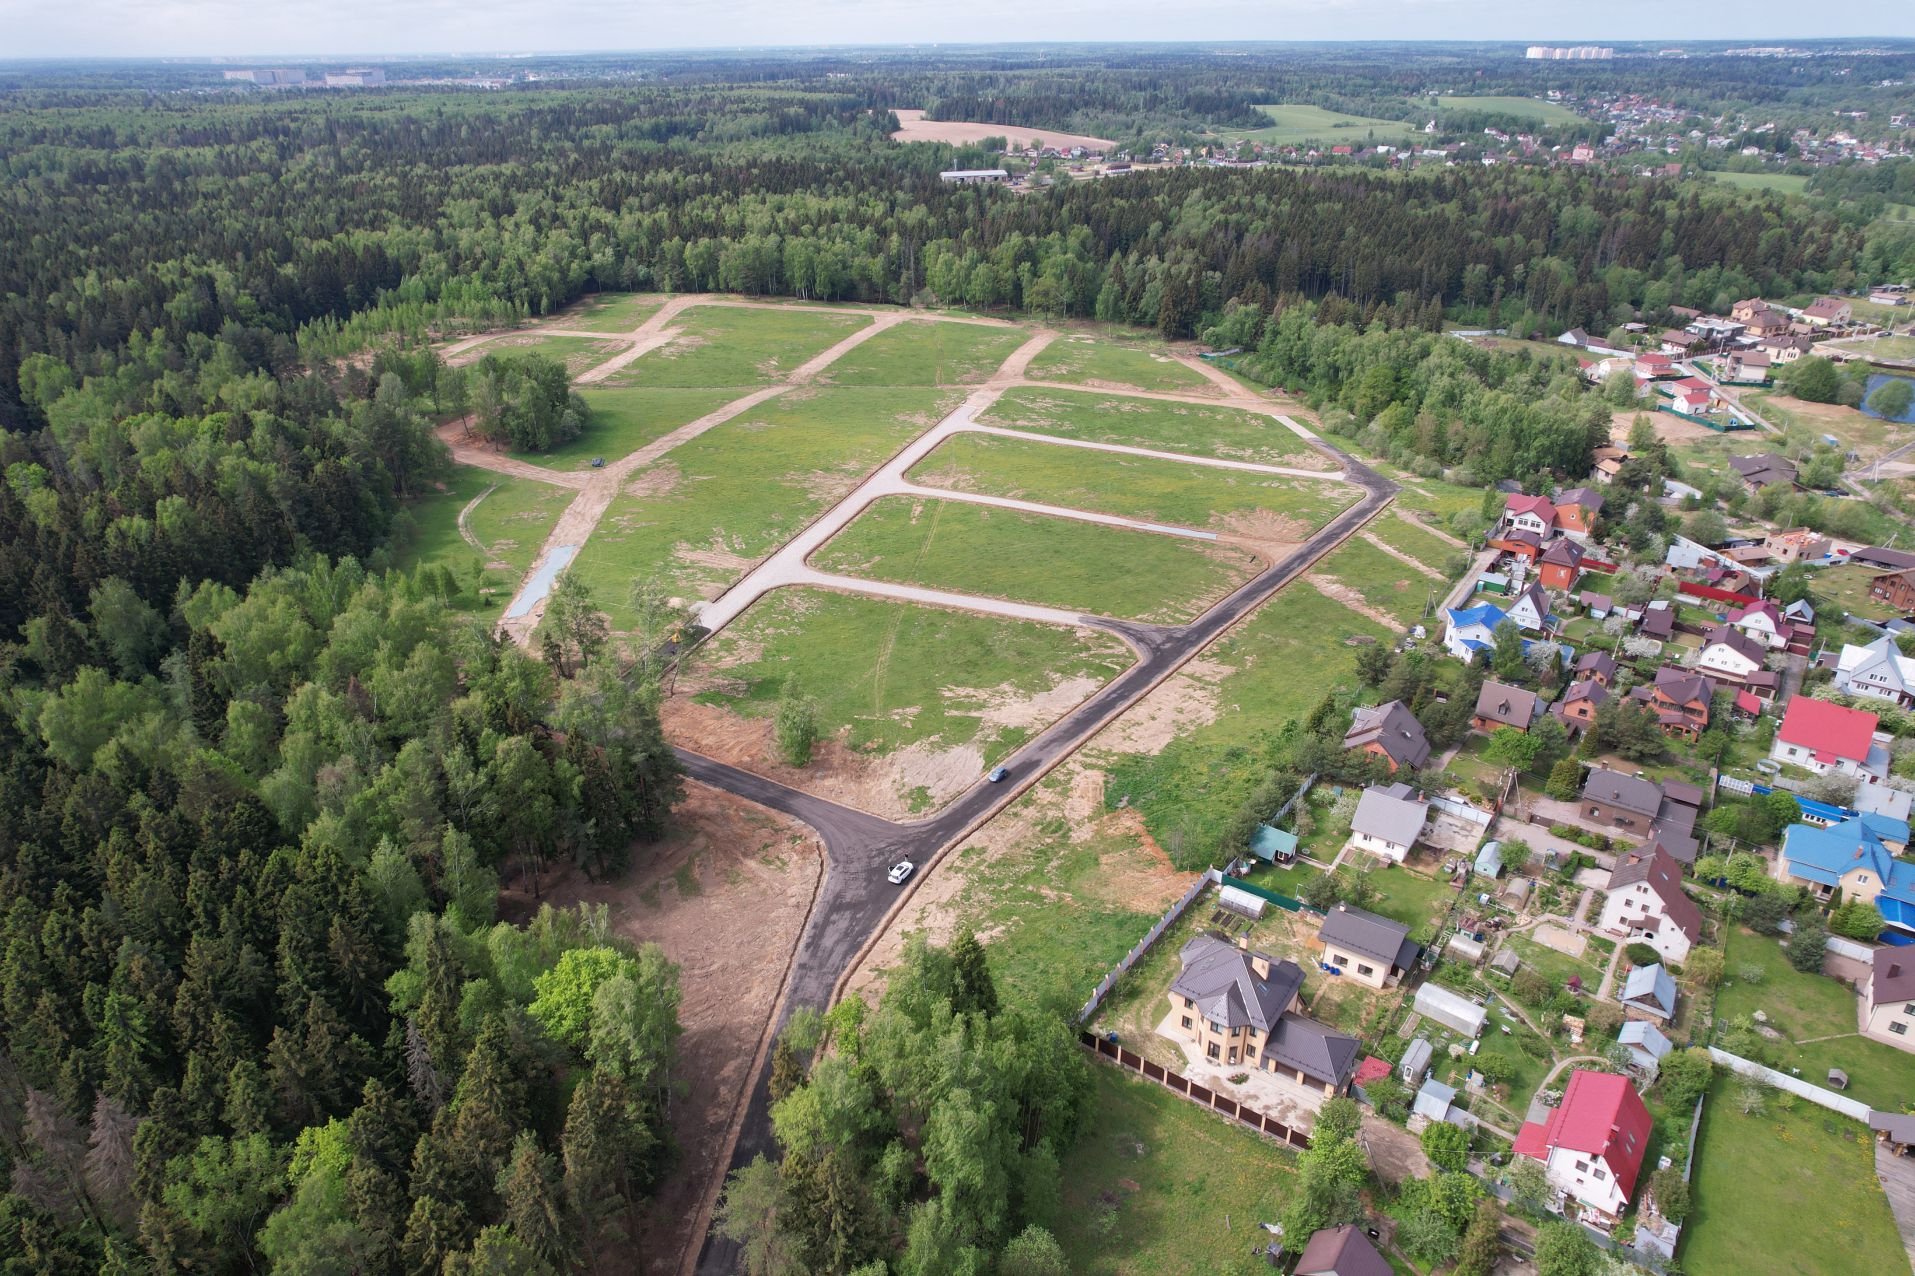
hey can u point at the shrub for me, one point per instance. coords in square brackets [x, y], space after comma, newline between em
[1641, 955]
[1446, 1145]
[1807, 946]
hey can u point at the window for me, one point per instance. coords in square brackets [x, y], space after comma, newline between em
[1233, 1056]
[1366, 970]
[1214, 1052]
[1186, 1021]
[1189, 1004]
[1214, 1026]
[1582, 1167]
[1908, 1008]
[1899, 1029]
[1599, 1174]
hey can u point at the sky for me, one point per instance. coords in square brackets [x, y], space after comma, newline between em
[322, 28]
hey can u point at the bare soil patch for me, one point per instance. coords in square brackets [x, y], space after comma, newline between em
[1353, 600]
[1266, 527]
[913, 127]
[753, 874]
[659, 480]
[1180, 704]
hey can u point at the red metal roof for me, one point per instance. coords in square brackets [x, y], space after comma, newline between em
[1540, 506]
[1371, 1068]
[1831, 730]
[1601, 1115]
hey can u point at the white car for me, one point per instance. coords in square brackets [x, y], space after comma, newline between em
[901, 872]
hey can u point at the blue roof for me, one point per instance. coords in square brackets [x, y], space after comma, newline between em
[1483, 614]
[1476, 644]
[1896, 913]
[1823, 854]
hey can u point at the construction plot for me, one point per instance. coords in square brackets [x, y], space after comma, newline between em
[923, 353]
[1112, 363]
[480, 518]
[737, 346]
[575, 352]
[1199, 429]
[610, 312]
[624, 419]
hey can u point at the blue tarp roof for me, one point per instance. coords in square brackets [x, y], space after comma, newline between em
[1896, 913]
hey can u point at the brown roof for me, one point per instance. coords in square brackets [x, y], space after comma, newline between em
[1663, 875]
[1683, 687]
[1392, 728]
[1511, 706]
[1893, 979]
[1736, 641]
[1341, 1251]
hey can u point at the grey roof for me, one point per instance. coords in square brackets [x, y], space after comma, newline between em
[1394, 729]
[1882, 556]
[1317, 1051]
[1764, 467]
[1511, 706]
[1586, 497]
[1342, 1251]
[1390, 814]
[1221, 980]
[1879, 799]
[1367, 935]
[1508, 961]
[1898, 1127]
[1434, 1089]
[1627, 791]
[1416, 1057]
[1646, 1037]
[1650, 988]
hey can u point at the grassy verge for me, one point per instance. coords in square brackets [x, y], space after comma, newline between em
[704, 514]
[1270, 506]
[927, 354]
[1789, 1191]
[726, 346]
[626, 419]
[1386, 584]
[974, 549]
[1200, 429]
[1399, 533]
[1117, 364]
[1155, 1184]
[891, 674]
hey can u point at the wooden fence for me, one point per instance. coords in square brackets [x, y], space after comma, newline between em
[1178, 1083]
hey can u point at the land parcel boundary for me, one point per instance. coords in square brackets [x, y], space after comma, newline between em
[1198, 429]
[738, 346]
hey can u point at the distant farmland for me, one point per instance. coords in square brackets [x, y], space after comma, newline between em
[1298, 125]
[913, 127]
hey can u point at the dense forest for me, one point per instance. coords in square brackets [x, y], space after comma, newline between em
[259, 790]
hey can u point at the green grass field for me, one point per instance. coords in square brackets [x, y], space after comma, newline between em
[1803, 1007]
[1786, 1192]
[1847, 588]
[974, 549]
[1199, 429]
[891, 674]
[731, 346]
[702, 515]
[1535, 110]
[927, 354]
[1113, 363]
[1410, 898]
[626, 418]
[1269, 506]
[1785, 183]
[616, 312]
[1432, 551]
[578, 354]
[1299, 125]
[1155, 1184]
[1386, 584]
[512, 518]
[1291, 653]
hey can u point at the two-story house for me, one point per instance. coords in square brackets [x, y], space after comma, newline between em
[1578, 509]
[1577, 707]
[1529, 610]
[1680, 700]
[1499, 705]
[1730, 655]
[1888, 999]
[1823, 737]
[1598, 667]
[1762, 620]
[1234, 1007]
[1854, 859]
[1391, 732]
[1592, 1146]
[1879, 670]
[1560, 565]
[1470, 631]
[1530, 514]
[1362, 946]
[1646, 904]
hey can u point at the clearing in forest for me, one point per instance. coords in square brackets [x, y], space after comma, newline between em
[508, 523]
[1112, 363]
[725, 346]
[577, 353]
[611, 312]
[941, 354]
[626, 418]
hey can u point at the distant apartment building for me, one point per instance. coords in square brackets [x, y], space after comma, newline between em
[356, 77]
[267, 77]
[1569, 53]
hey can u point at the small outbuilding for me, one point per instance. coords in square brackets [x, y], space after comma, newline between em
[1452, 1010]
[1434, 1100]
[1415, 1061]
[1506, 961]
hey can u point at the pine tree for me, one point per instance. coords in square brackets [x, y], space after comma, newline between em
[533, 1205]
[973, 990]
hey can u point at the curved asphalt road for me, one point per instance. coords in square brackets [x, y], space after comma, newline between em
[856, 899]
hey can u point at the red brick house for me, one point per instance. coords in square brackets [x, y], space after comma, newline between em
[1680, 701]
[1560, 565]
[1897, 589]
[1499, 705]
[1577, 709]
[1577, 510]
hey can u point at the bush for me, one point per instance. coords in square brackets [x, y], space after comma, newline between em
[1446, 1145]
[1808, 945]
[1641, 955]
[1685, 1075]
[1858, 919]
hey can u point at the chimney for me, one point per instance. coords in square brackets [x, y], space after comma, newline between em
[1243, 942]
[1261, 965]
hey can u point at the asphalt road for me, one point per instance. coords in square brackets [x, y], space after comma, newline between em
[859, 847]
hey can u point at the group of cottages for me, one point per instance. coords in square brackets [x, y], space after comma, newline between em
[1236, 1007]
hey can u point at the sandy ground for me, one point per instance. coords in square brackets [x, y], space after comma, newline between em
[751, 875]
[913, 127]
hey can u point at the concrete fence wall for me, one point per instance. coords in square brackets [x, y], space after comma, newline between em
[1794, 1085]
[1462, 811]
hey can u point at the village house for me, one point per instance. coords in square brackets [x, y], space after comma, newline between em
[1391, 732]
[1882, 557]
[1746, 310]
[1370, 949]
[1826, 312]
[1656, 366]
[1644, 809]
[1691, 394]
[1786, 347]
[1854, 859]
[1879, 670]
[1730, 655]
[1519, 542]
[1896, 588]
[1529, 610]
[1388, 821]
[1238, 1007]
[1799, 545]
[1606, 461]
[1645, 1045]
[1529, 514]
[1657, 620]
[1592, 1145]
[1821, 736]
[1470, 630]
[1763, 469]
[1649, 990]
[1596, 606]
[1342, 1251]
[1745, 367]
[1577, 707]
[1560, 565]
[1577, 510]
[1680, 701]
[1762, 621]
[1499, 705]
[1888, 1000]
[1646, 904]
[1598, 667]
[1675, 342]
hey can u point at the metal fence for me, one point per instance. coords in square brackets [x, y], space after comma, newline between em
[1178, 1083]
[1131, 958]
[1794, 1085]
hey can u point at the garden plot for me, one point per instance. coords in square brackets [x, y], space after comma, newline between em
[1086, 567]
[1111, 363]
[625, 419]
[916, 702]
[738, 346]
[1269, 509]
[699, 518]
[1200, 429]
[927, 353]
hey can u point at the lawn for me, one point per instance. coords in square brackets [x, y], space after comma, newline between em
[1387, 584]
[511, 519]
[1785, 183]
[1535, 110]
[733, 346]
[1156, 1184]
[1411, 898]
[1265, 674]
[890, 673]
[1806, 1006]
[1846, 588]
[1557, 966]
[1086, 567]
[927, 353]
[625, 419]
[1199, 429]
[616, 312]
[1435, 499]
[1789, 1192]
[1296, 125]
[1110, 362]
[700, 517]
[578, 354]
[1882, 347]
[1264, 506]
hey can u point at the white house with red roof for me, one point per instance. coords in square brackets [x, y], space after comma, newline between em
[1530, 513]
[1762, 620]
[1593, 1144]
[1820, 736]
